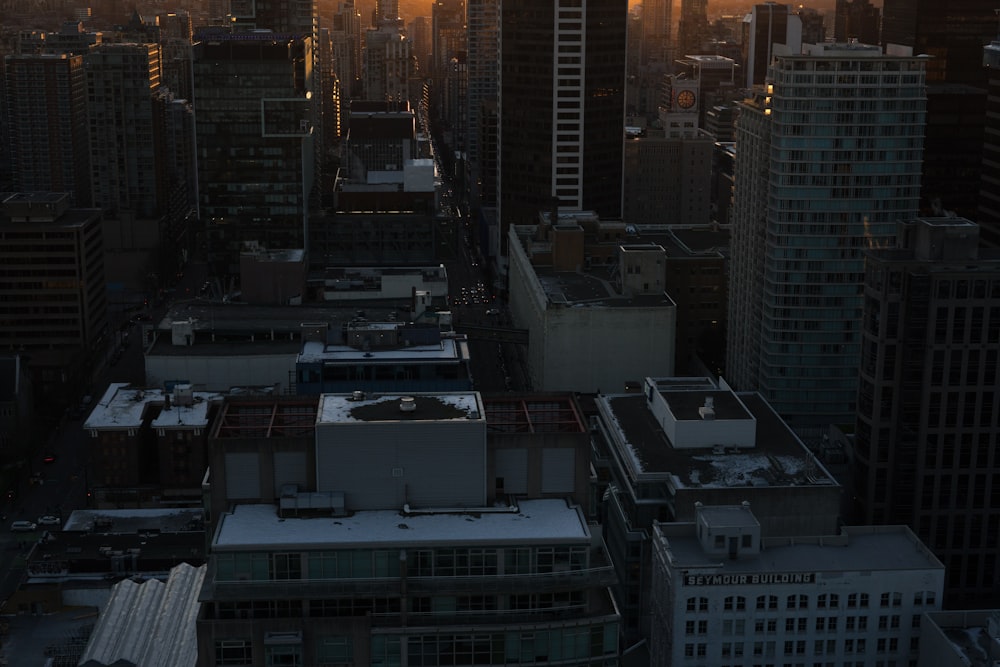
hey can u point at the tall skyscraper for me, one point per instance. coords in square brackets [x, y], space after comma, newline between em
[562, 79]
[254, 137]
[828, 159]
[856, 19]
[692, 29]
[47, 102]
[989, 190]
[928, 419]
[769, 24]
[659, 31]
[482, 30]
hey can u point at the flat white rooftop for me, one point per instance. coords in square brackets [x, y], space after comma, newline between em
[444, 406]
[316, 351]
[532, 522]
[865, 549]
[122, 406]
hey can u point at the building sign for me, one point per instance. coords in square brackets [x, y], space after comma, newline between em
[750, 579]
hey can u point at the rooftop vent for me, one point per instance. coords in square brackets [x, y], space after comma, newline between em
[707, 411]
[407, 404]
[358, 395]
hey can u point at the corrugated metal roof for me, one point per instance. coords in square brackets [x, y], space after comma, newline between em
[150, 624]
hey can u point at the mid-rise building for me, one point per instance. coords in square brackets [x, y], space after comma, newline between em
[829, 159]
[726, 592]
[680, 442]
[928, 408]
[383, 554]
[606, 303]
[54, 289]
[149, 442]
[668, 179]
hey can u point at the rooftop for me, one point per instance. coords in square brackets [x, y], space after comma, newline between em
[134, 521]
[774, 456]
[360, 407]
[858, 548]
[446, 349]
[123, 406]
[150, 624]
[578, 289]
[531, 522]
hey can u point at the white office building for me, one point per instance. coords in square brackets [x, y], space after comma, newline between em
[726, 595]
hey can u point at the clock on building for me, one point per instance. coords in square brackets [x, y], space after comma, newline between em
[685, 99]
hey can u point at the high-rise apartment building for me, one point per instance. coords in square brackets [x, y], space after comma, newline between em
[126, 174]
[562, 80]
[829, 159]
[928, 418]
[47, 104]
[856, 19]
[254, 137]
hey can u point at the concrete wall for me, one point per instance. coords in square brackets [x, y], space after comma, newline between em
[598, 349]
[220, 373]
[383, 465]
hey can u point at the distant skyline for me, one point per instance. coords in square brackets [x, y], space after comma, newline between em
[409, 9]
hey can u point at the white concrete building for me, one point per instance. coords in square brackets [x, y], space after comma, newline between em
[726, 595]
[587, 331]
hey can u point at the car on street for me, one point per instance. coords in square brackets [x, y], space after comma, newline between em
[49, 458]
[49, 520]
[493, 311]
[23, 527]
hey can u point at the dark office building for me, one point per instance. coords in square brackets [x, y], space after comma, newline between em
[928, 422]
[255, 144]
[578, 158]
[954, 32]
[856, 19]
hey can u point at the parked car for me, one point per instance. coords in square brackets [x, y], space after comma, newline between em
[49, 520]
[49, 458]
[23, 527]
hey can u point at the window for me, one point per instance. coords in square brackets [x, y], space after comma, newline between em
[335, 651]
[283, 655]
[233, 652]
[286, 566]
[734, 602]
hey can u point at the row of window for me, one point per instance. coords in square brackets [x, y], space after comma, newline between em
[541, 646]
[822, 601]
[367, 563]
